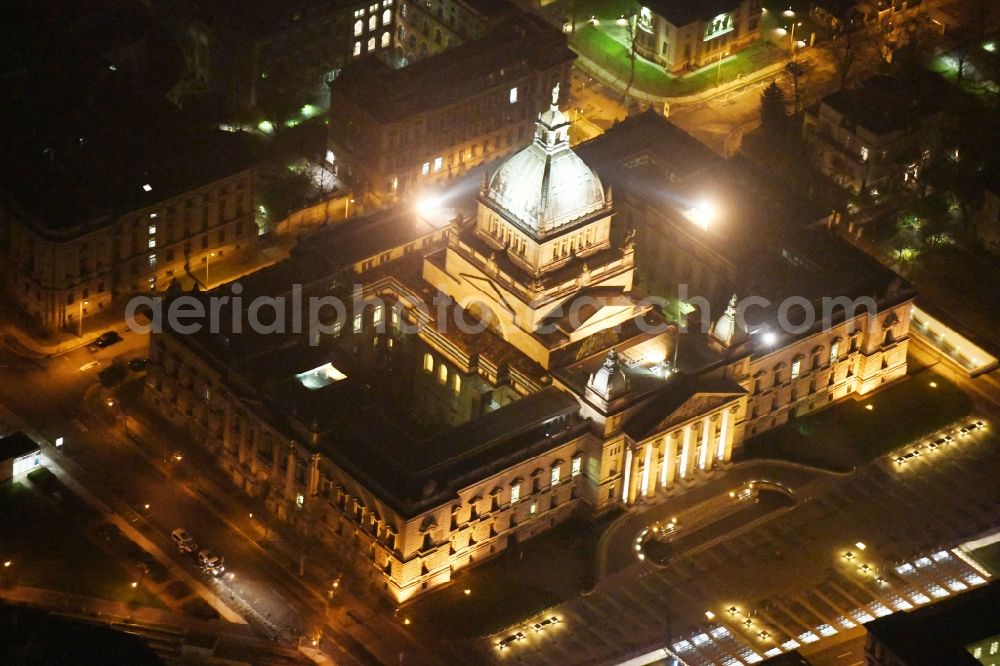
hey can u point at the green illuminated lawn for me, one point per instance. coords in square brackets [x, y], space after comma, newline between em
[611, 54]
[847, 434]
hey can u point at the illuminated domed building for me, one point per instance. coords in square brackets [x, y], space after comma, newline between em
[500, 373]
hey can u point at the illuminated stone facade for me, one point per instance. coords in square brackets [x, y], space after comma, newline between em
[688, 34]
[532, 419]
[393, 133]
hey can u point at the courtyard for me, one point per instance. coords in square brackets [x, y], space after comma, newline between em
[852, 432]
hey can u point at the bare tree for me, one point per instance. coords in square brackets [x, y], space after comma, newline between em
[630, 32]
[844, 50]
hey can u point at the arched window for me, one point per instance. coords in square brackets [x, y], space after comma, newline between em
[371, 43]
[358, 27]
[443, 373]
[385, 39]
[428, 363]
[372, 22]
[386, 17]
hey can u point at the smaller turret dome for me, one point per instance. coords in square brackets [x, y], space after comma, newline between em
[610, 381]
[729, 329]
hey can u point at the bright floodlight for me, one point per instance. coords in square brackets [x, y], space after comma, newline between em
[703, 214]
[147, 188]
[428, 204]
[770, 338]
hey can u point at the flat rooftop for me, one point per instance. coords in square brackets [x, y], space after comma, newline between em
[682, 12]
[775, 242]
[16, 445]
[943, 632]
[389, 95]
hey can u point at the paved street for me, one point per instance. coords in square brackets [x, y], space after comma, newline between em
[60, 397]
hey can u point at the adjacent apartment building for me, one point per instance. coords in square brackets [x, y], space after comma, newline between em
[875, 137]
[121, 202]
[393, 132]
[684, 35]
[429, 27]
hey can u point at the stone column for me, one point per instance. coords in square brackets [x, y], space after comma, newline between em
[670, 460]
[227, 427]
[707, 439]
[687, 454]
[290, 473]
[242, 444]
[725, 452]
[254, 446]
[648, 479]
[314, 475]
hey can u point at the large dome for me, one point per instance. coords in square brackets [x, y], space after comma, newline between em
[546, 185]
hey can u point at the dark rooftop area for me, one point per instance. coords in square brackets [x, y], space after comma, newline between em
[16, 445]
[941, 633]
[31, 636]
[682, 12]
[774, 241]
[883, 104]
[515, 47]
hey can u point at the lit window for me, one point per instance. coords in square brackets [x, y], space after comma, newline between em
[377, 316]
[152, 242]
[864, 153]
[152, 260]
[554, 480]
[577, 465]
[358, 13]
[372, 22]
[357, 48]
[834, 350]
[357, 323]
[358, 28]
[428, 363]
[438, 163]
[330, 157]
[152, 229]
[394, 317]
[147, 188]
[515, 493]
[153, 216]
[443, 373]
[456, 383]
[534, 508]
[299, 500]
[386, 17]
[426, 168]
[385, 39]
[371, 43]
[373, 8]
[796, 367]
[513, 95]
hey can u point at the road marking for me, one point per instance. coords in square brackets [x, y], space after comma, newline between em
[90, 365]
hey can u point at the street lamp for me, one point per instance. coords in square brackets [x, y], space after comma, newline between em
[208, 260]
[79, 323]
[347, 206]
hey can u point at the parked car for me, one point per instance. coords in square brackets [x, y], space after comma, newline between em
[547, 622]
[105, 339]
[513, 638]
[184, 541]
[137, 364]
[211, 562]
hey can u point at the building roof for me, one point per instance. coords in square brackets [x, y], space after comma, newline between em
[680, 398]
[514, 48]
[943, 632]
[16, 445]
[883, 104]
[648, 137]
[546, 186]
[682, 12]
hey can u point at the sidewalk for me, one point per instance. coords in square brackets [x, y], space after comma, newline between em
[351, 622]
[774, 70]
